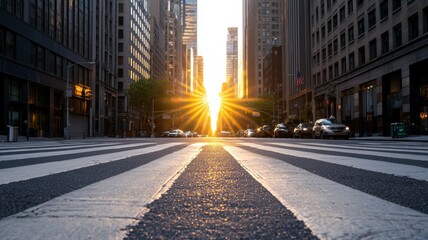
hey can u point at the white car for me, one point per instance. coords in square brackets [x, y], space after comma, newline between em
[176, 133]
[327, 128]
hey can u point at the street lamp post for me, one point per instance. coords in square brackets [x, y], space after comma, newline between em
[153, 118]
[68, 94]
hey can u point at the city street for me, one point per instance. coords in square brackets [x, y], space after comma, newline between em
[213, 188]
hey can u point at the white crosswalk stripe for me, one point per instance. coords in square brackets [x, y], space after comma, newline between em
[378, 166]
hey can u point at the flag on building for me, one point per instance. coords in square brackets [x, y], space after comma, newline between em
[299, 79]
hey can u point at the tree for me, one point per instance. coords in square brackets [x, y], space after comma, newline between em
[142, 92]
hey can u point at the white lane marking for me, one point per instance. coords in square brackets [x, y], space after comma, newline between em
[329, 209]
[377, 153]
[60, 153]
[56, 147]
[382, 147]
[370, 165]
[104, 209]
[8, 175]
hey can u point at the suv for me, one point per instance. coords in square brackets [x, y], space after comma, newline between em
[283, 130]
[329, 127]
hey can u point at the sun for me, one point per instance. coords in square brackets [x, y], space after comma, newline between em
[214, 102]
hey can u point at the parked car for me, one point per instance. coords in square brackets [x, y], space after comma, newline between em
[176, 133]
[250, 132]
[329, 127]
[283, 130]
[303, 130]
[265, 131]
[224, 133]
[165, 134]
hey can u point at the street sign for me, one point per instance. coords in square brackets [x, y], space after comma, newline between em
[69, 92]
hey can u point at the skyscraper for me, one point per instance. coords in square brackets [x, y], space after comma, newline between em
[133, 56]
[232, 60]
[262, 30]
[190, 42]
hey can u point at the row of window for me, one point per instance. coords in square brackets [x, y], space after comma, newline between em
[350, 62]
[37, 57]
[332, 22]
[54, 18]
[397, 40]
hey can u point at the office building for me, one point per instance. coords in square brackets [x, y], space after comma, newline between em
[43, 47]
[190, 43]
[261, 30]
[232, 60]
[296, 100]
[133, 60]
[368, 61]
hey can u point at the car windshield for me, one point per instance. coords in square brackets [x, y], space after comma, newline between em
[326, 122]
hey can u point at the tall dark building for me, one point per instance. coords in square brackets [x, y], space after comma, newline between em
[44, 45]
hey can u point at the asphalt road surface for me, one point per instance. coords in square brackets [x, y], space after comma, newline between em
[213, 188]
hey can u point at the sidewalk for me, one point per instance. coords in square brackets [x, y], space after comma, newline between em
[411, 138]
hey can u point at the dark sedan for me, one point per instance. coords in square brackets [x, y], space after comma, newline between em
[283, 130]
[303, 130]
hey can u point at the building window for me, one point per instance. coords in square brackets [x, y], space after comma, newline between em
[40, 58]
[329, 26]
[351, 34]
[322, 32]
[425, 23]
[323, 54]
[120, 60]
[342, 40]
[120, 34]
[120, 7]
[351, 61]
[350, 7]
[383, 9]
[120, 47]
[343, 65]
[359, 3]
[336, 69]
[120, 73]
[10, 45]
[330, 72]
[324, 75]
[397, 40]
[372, 49]
[361, 28]
[396, 4]
[361, 56]
[120, 21]
[413, 27]
[342, 14]
[385, 42]
[335, 21]
[335, 46]
[372, 18]
[330, 50]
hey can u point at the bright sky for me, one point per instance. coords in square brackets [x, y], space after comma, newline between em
[214, 17]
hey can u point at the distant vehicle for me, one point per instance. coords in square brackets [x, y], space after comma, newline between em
[176, 133]
[188, 134]
[282, 130]
[265, 131]
[249, 132]
[329, 127]
[165, 134]
[224, 133]
[303, 130]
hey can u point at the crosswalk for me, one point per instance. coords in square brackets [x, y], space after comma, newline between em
[94, 190]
